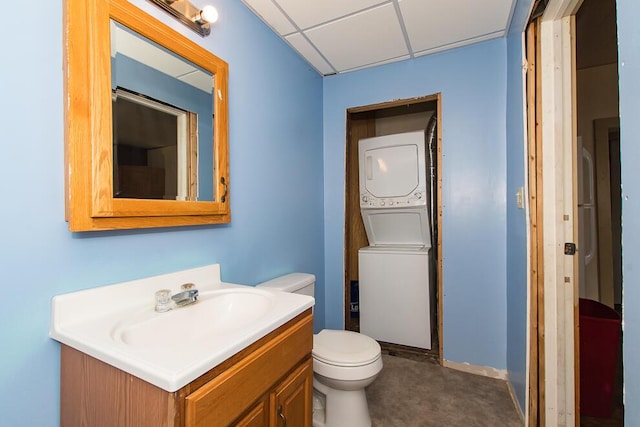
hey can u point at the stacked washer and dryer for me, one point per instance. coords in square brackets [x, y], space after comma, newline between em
[395, 290]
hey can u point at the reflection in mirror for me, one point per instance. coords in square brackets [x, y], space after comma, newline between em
[151, 142]
[162, 122]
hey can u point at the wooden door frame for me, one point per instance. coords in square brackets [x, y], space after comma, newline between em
[559, 375]
[390, 104]
[535, 339]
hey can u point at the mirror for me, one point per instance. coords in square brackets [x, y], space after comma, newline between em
[146, 122]
[162, 105]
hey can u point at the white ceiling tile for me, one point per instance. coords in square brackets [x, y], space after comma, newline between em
[365, 38]
[387, 61]
[271, 15]
[461, 43]
[438, 23]
[305, 49]
[308, 13]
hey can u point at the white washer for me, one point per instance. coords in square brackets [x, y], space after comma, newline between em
[394, 295]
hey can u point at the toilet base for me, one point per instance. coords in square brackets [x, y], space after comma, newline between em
[343, 408]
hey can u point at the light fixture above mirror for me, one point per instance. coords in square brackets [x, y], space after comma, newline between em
[199, 20]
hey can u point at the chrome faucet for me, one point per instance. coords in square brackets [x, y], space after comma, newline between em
[165, 301]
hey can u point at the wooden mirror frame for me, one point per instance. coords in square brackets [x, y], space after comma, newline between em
[90, 204]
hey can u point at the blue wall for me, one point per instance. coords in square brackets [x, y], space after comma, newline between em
[276, 192]
[629, 72]
[472, 82]
[517, 271]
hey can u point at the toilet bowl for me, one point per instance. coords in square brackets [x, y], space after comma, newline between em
[344, 363]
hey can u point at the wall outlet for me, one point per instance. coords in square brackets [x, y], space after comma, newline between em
[520, 198]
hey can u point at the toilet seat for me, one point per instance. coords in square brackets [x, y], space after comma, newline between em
[346, 355]
[344, 348]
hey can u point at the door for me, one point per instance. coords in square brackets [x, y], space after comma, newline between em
[588, 266]
[291, 401]
[607, 172]
[257, 416]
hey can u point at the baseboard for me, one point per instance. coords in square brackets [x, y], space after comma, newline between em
[514, 398]
[485, 371]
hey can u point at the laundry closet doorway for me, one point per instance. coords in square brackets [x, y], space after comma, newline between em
[388, 118]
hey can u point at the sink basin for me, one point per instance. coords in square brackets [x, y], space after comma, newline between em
[216, 313]
[118, 325]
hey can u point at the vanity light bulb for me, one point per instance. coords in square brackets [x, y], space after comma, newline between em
[209, 14]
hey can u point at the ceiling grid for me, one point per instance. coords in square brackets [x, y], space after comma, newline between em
[337, 36]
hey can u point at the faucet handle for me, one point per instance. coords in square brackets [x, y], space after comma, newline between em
[187, 286]
[163, 300]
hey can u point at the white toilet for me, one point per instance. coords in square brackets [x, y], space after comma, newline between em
[344, 363]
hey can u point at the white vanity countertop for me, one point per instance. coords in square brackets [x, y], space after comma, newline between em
[117, 324]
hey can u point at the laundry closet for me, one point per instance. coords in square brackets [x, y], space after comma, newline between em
[392, 238]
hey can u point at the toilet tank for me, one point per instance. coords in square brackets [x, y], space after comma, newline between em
[297, 283]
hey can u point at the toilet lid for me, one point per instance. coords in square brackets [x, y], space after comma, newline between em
[345, 348]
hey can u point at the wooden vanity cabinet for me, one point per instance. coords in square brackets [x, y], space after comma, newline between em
[288, 405]
[291, 401]
[263, 385]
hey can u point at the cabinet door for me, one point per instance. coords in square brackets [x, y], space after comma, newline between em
[257, 417]
[291, 401]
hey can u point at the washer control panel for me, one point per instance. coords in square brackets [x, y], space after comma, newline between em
[417, 198]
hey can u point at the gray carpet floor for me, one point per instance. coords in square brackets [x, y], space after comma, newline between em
[410, 393]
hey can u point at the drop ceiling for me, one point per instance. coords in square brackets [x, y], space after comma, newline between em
[337, 36]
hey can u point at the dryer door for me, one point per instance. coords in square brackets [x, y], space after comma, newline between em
[392, 170]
